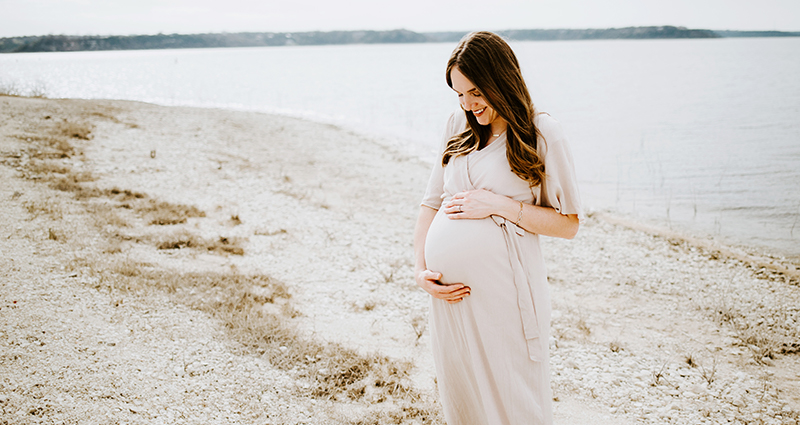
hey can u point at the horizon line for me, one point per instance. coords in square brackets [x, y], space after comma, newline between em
[395, 29]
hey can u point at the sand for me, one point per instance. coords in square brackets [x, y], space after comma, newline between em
[648, 327]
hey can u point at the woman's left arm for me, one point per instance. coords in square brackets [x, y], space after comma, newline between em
[481, 203]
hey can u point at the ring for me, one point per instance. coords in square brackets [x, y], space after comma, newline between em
[459, 209]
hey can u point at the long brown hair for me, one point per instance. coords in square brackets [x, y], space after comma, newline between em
[489, 63]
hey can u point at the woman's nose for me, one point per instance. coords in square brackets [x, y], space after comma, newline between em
[467, 102]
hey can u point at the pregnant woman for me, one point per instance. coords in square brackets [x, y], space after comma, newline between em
[505, 176]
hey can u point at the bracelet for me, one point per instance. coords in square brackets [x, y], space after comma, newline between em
[519, 217]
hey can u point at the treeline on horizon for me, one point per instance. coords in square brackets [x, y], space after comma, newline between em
[73, 43]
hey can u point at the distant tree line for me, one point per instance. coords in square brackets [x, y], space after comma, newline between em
[71, 43]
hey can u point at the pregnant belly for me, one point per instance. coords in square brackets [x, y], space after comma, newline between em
[462, 250]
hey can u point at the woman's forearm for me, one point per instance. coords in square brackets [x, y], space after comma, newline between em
[481, 203]
[540, 220]
[424, 221]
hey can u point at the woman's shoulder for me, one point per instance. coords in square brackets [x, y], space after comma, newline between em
[551, 132]
[456, 123]
[548, 125]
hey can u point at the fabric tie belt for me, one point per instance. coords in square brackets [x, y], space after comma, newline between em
[525, 301]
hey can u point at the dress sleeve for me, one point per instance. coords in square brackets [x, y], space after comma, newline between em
[435, 190]
[560, 186]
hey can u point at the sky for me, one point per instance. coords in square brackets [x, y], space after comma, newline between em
[124, 17]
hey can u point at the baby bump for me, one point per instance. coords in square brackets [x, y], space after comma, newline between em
[463, 251]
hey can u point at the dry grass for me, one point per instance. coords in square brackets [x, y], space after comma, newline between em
[12, 89]
[43, 146]
[186, 239]
[48, 166]
[181, 239]
[75, 130]
[155, 212]
[270, 232]
[55, 234]
[766, 334]
[80, 191]
[166, 213]
[229, 245]
[47, 207]
[419, 323]
[128, 267]
[63, 177]
[124, 195]
[398, 414]
[106, 215]
[325, 371]
[56, 140]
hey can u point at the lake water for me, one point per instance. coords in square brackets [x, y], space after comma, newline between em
[701, 135]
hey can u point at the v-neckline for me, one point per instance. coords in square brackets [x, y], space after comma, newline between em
[497, 141]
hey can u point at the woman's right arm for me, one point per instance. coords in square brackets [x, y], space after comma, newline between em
[426, 279]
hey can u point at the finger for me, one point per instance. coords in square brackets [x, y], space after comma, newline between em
[459, 293]
[428, 275]
[458, 216]
[445, 295]
[455, 288]
[431, 275]
[453, 207]
[447, 290]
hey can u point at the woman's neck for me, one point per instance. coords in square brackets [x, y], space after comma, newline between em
[498, 126]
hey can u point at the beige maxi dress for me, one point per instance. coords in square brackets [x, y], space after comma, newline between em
[491, 349]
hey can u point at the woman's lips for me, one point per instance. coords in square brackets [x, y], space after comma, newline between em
[479, 111]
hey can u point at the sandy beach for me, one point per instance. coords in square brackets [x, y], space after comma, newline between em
[189, 266]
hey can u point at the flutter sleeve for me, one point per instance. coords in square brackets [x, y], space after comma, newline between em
[435, 190]
[560, 187]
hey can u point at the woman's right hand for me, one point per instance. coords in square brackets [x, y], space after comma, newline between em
[429, 281]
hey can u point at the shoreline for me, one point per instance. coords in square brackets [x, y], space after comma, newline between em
[645, 329]
[758, 255]
[755, 257]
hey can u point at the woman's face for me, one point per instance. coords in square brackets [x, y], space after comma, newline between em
[472, 99]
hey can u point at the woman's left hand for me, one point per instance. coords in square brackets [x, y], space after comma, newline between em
[474, 204]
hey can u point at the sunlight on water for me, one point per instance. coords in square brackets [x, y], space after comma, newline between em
[699, 135]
